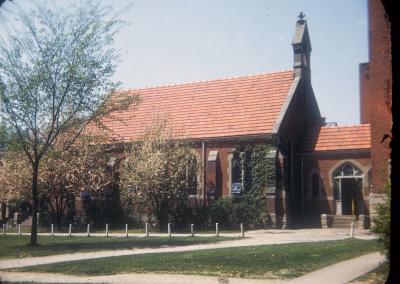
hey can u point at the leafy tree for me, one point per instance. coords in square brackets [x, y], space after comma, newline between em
[66, 172]
[381, 222]
[15, 176]
[2, 2]
[55, 75]
[154, 174]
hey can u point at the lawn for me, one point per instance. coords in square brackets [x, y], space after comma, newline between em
[273, 261]
[16, 246]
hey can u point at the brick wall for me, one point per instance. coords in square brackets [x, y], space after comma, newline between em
[376, 97]
[326, 164]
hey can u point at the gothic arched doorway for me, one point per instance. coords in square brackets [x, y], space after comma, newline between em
[348, 183]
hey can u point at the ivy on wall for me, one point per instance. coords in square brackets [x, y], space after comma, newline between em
[259, 168]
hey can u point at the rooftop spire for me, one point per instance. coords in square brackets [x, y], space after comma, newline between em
[301, 47]
[301, 18]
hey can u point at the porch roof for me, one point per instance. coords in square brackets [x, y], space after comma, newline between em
[331, 138]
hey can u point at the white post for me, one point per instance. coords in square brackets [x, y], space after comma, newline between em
[70, 230]
[52, 229]
[4, 229]
[192, 229]
[352, 230]
[126, 230]
[216, 230]
[106, 230]
[37, 214]
[88, 230]
[169, 229]
[19, 229]
[147, 229]
[242, 230]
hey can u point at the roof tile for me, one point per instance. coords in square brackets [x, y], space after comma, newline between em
[226, 107]
[330, 138]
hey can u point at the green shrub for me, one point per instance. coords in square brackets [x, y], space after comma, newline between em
[382, 221]
[248, 209]
[221, 211]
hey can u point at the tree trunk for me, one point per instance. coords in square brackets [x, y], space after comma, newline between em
[35, 174]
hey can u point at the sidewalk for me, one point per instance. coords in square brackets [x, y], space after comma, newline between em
[342, 272]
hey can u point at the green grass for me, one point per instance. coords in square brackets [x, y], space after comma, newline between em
[16, 246]
[273, 261]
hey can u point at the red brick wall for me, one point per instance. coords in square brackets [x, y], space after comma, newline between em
[364, 97]
[326, 163]
[379, 91]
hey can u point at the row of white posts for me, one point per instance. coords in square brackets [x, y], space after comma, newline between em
[147, 230]
[127, 233]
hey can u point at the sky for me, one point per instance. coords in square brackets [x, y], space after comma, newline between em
[177, 41]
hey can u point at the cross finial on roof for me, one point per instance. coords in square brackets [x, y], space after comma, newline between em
[301, 18]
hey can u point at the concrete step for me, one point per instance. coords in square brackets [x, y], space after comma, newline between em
[343, 221]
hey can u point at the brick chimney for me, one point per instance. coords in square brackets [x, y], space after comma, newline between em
[301, 48]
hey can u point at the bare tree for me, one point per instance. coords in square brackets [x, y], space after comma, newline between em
[56, 72]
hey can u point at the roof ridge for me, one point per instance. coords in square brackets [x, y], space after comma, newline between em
[346, 125]
[205, 81]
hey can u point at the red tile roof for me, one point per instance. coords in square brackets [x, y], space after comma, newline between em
[228, 107]
[330, 138]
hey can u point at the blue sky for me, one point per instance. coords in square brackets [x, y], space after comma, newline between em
[176, 41]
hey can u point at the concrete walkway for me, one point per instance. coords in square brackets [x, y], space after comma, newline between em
[253, 238]
[342, 272]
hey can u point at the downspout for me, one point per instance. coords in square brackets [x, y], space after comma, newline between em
[203, 158]
[302, 184]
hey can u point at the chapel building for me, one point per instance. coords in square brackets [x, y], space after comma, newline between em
[324, 174]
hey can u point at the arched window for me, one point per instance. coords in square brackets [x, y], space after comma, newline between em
[315, 185]
[348, 170]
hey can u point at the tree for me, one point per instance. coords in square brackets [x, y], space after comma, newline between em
[2, 2]
[382, 220]
[55, 75]
[15, 176]
[67, 171]
[154, 174]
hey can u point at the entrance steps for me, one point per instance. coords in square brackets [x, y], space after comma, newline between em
[343, 221]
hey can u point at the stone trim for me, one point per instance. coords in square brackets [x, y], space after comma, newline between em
[286, 104]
